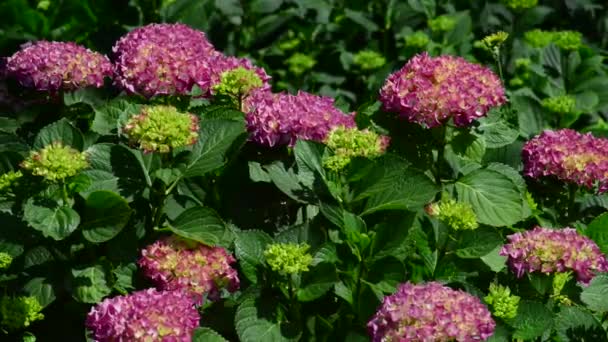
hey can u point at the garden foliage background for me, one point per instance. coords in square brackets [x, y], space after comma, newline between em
[438, 205]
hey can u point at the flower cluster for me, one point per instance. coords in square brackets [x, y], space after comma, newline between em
[442, 23]
[167, 59]
[232, 69]
[520, 4]
[431, 90]
[431, 312]
[348, 143]
[56, 162]
[494, 41]
[5, 260]
[54, 66]
[19, 312]
[300, 63]
[549, 251]
[504, 304]
[279, 119]
[9, 179]
[417, 40]
[162, 128]
[175, 264]
[144, 316]
[457, 215]
[569, 156]
[288, 258]
[237, 83]
[566, 40]
[369, 60]
[563, 104]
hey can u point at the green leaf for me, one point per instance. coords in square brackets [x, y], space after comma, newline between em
[477, 243]
[288, 182]
[106, 119]
[124, 276]
[216, 137]
[42, 289]
[200, 224]
[89, 284]
[48, 217]
[59, 131]
[38, 255]
[495, 199]
[361, 19]
[533, 320]
[326, 254]
[596, 294]
[317, 281]
[496, 133]
[207, 335]
[597, 230]
[495, 261]
[105, 215]
[8, 125]
[257, 174]
[91, 96]
[254, 322]
[574, 319]
[249, 248]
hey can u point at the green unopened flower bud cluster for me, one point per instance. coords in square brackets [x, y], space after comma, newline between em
[348, 143]
[442, 23]
[522, 71]
[457, 215]
[566, 40]
[493, 42]
[369, 60]
[9, 179]
[300, 63]
[559, 282]
[288, 258]
[238, 82]
[162, 129]
[19, 312]
[563, 104]
[504, 304]
[520, 4]
[417, 40]
[5, 260]
[56, 162]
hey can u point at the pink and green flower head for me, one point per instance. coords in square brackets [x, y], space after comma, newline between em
[144, 316]
[56, 162]
[288, 258]
[55, 66]
[199, 270]
[163, 59]
[162, 129]
[504, 304]
[431, 312]
[554, 251]
[19, 312]
[348, 143]
[569, 156]
[431, 90]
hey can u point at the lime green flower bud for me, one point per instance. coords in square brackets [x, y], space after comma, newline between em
[568, 40]
[162, 128]
[299, 63]
[442, 23]
[5, 260]
[417, 40]
[559, 281]
[43, 5]
[516, 82]
[56, 162]
[504, 304]
[493, 42]
[369, 60]
[288, 258]
[348, 143]
[559, 104]
[457, 215]
[538, 38]
[238, 82]
[19, 312]
[522, 63]
[9, 179]
[520, 4]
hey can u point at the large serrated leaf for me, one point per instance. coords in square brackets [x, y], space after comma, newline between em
[60, 131]
[207, 335]
[89, 284]
[249, 248]
[532, 320]
[200, 224]
[597, 230]
[596, 294]
[106, 214]
[255, 322]
[53, 220]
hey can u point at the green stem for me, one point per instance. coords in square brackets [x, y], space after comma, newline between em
[64, 193]
[571, 202]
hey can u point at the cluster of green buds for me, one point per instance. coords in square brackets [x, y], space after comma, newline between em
[237, 83]
[56, 162]
[442, 23]
[369, 60]
[504, 304]
[457, 215]
[559, 281]
[565, 40]
[563, 104]
[417, 40]
[9, 180]
[493, 42]
[19, 312]
[348, 143]
[300, 63]
[162, 129]
[5, 260]
[522, 70]
[520, 4]
[288, 258]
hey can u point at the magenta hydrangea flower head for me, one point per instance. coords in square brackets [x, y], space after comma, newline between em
[431, 90]
[167, 59]
[554, 250]
[569, 156]
[146, 316]
[280, 119]
[431, 312]
[177, 264]
[54, 66]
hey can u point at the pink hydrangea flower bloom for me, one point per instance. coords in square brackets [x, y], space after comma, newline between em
[431, 312]
[431, 90]
[174, 264]
[554, 250]
[54, 66]
[569, 156]
[280, 119]
[146, 316]
[167, 59]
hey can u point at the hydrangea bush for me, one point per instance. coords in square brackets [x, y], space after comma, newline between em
[277, 171]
